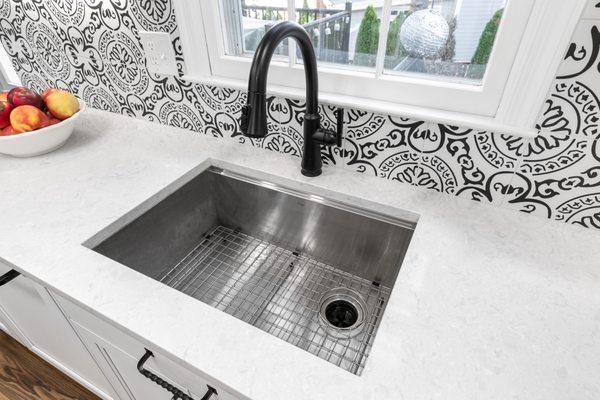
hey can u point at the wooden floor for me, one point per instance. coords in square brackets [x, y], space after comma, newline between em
[25, 376]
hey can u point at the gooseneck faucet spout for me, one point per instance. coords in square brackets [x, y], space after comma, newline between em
[254, 114]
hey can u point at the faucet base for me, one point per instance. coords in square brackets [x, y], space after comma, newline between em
[311, 173]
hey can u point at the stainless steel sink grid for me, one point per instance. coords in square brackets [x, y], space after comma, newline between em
[271, 257]
[278, 291]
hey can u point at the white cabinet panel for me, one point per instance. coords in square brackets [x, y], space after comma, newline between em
[32, 317]
[121, 369]
[8, 326]
[118, 354]
[120, 365]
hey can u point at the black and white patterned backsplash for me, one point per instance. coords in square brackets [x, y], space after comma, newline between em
[93, 48]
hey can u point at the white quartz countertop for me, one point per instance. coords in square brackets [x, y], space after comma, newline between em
[489, 303]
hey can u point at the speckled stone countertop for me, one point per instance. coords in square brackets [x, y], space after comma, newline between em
[489, 303]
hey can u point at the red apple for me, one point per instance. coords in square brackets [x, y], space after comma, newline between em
[21, 96]
[54, 121]
[48, 92]
[5, 109]
[28, 118]
[9, 130]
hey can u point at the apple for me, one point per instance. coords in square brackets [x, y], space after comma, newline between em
[9, 130]
[5, 109]
[21, 96]
[62, 104]
[48, 92]
[28, 118]
[54, 121]
[3, 95]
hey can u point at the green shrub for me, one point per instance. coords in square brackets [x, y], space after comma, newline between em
[484, 48]
[367, 38]
[394, 51]
[394, 47]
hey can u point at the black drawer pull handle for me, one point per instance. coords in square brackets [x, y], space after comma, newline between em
[9, 276]
[177, 394]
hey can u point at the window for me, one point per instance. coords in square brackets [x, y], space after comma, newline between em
[443, 38]
[449, 60]
[8, 75]
[333, 27]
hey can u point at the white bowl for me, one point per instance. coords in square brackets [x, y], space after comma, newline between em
[40, 141]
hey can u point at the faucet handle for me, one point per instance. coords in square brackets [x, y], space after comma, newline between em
[330, 137]
[339, 131]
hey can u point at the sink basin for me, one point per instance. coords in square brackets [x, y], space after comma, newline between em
[312, 271]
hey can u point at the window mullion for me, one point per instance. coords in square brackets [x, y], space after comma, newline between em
[291, 43]
[231, 17]
[383, 33]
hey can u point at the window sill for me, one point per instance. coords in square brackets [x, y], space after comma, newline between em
[382, 107]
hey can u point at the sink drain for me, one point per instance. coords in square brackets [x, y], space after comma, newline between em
[342, 312]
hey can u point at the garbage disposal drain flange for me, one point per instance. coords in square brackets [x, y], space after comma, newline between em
[342, 312]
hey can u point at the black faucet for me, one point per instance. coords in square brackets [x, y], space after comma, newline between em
[253, 122]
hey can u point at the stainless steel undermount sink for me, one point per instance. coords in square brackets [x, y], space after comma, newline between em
[311, 271]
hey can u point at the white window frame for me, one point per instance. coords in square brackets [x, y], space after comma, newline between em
[8, 75]
[530, 45]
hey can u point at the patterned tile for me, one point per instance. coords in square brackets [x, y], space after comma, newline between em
[581, 55]
[225, 106]
[467, 163]
[383, 146]
[571, 108]
[332, 155]
[284, 126]
[573, 105]
[17, 47]
[46, 44]
[559, 179]
[154, 15]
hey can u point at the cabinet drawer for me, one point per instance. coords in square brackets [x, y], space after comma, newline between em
[120, 352]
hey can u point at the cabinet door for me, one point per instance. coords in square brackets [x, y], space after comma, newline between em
[118, 352]
[121, 367]
[9, 326]
[38, 323]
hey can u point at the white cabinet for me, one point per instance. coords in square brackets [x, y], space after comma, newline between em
[30, 315]
[118, 354]
[93, 350]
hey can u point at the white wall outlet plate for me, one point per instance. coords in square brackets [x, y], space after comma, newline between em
[160, 55]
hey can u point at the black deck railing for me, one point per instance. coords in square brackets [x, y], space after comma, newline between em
[331, 35]
[329, 29]
[281, 13]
